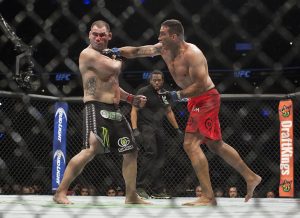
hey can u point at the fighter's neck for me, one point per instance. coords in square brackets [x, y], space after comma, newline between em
[178, 49]
[96, 49]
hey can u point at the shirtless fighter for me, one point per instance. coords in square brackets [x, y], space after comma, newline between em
[188, 67]
[105, 128]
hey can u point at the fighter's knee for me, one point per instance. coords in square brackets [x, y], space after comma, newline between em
[130, 156]
[188, 148]
[214, 146]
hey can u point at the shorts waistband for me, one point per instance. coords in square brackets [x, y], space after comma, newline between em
[103, 105]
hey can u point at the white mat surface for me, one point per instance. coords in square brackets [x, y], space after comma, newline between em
[12, 206]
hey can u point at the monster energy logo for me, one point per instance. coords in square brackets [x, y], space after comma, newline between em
[105, 137]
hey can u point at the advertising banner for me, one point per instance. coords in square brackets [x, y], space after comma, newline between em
[286, 186]
[59, 143]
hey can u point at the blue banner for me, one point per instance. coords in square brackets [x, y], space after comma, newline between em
[59, 143]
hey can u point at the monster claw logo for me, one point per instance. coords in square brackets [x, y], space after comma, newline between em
[286, 185]
[285, 111]
[105, 137]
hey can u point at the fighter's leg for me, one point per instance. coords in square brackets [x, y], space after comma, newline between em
[231, 156]
[74, 168]
[200, 164]
[129, 170]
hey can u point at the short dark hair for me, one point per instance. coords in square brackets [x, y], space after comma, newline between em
[101, 23]
[175, 27]
[156, 72]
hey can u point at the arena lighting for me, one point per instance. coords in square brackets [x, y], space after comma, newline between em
[243, 46]
[182, 113]
[87, 2]
[265, 113]
[1, 135]
[146, 75]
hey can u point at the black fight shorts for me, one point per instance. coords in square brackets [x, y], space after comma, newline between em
[110, 127]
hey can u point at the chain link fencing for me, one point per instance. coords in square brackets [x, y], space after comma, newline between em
[58, 31]
[249, 124]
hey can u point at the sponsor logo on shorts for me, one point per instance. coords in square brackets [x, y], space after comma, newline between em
[196, 109]
[104, 114]
[208, 123]
[105, 137]
[124, 144]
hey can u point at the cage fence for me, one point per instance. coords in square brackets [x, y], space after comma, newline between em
[250, 124]
[252, 47]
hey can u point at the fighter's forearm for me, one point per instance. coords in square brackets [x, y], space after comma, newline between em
[123, 94]
[142, 51]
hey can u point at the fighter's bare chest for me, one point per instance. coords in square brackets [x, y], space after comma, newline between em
[177, 67]
[111, 67]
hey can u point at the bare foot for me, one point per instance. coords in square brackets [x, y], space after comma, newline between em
[202, 201]
[61, 199]
[251, 185]
[135, 200]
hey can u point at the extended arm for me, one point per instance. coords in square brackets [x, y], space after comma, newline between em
[142, 51]
[123, 94]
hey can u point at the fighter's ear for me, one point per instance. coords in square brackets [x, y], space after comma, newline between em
[174, 36]
[109, 36]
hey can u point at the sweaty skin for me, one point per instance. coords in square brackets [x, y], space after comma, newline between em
[99, 77]
[100, 83]
[188, 67]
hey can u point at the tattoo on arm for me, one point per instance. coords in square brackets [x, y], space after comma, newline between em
[148, 51]
[91, 86]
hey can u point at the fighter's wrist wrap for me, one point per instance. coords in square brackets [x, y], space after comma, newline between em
[130, 98]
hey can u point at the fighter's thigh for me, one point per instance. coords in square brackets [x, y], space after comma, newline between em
[192, 141]
[94, 143]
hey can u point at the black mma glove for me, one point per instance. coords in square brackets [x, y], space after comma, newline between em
[135, 100]
[137, 136]
[113, 53]
[169, 96]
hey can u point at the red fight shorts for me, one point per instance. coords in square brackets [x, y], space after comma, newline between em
[204, 110]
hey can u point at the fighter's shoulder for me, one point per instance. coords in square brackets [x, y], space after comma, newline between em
[193, 49]
[194, 52]
[87, 53]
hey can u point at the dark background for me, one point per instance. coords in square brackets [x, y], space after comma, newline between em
[267, 61]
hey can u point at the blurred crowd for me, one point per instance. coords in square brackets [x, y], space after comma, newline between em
[115, 190]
